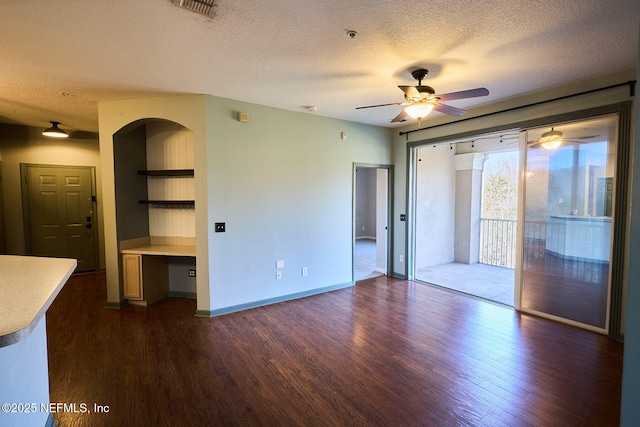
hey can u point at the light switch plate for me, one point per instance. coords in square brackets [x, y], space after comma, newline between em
[280, 263]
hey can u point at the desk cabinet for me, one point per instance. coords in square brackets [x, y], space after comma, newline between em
[132, 276]
[145, 278]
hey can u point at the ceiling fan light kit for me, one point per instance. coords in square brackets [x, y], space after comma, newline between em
[551, 139]
[419, 110]
[551, 145]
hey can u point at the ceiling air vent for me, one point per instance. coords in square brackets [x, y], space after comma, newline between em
[202, 7]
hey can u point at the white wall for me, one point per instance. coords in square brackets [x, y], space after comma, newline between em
[435, 207]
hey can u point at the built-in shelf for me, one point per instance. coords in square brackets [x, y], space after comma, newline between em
[169, 204]
[167, 172]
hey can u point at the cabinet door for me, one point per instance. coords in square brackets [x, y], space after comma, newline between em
[132, 276]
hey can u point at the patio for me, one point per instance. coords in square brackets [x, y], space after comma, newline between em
[481, 280]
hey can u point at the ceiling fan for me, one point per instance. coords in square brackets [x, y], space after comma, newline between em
[552, 139]
[420, 100]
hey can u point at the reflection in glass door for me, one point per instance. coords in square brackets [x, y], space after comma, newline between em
[568, 214]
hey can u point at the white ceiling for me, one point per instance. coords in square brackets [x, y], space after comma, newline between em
[59, 58]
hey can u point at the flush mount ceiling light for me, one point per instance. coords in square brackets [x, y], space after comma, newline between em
[201, 7]
[54, 131]
[551, 139]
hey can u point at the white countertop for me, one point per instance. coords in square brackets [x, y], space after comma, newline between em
[28, 286]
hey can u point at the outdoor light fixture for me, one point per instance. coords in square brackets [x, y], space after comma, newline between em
[551, 139]
[54, 131]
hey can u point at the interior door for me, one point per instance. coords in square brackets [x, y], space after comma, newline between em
[59, 213]
[568, 215]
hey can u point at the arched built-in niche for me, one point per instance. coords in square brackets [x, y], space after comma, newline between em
[155, 210]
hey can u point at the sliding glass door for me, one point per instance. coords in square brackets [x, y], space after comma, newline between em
[568, 209]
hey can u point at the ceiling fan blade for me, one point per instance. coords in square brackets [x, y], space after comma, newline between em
[410, 92]
[573, 141]
[470, 93]
[381, 105]
[583, 137]
[402, 117]
[448, 109]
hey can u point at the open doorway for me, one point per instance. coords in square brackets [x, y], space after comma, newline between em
[465, 215]
[371, 221]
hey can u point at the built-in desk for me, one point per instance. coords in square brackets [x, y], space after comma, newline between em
[145, 266]
[28, 286]
[164, 250]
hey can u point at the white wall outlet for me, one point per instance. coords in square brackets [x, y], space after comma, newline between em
[280, 263]
[278, 275]
[304, 271]
[401, 258]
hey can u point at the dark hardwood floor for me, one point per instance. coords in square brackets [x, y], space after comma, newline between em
[386, 352]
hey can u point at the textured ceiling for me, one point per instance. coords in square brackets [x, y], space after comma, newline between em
[59, 58]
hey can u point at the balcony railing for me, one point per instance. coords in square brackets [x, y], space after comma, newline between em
[498, 242]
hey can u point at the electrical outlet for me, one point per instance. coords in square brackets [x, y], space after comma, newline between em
[278, 275]
[401, 258]
[304, 271]
[192, 272]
